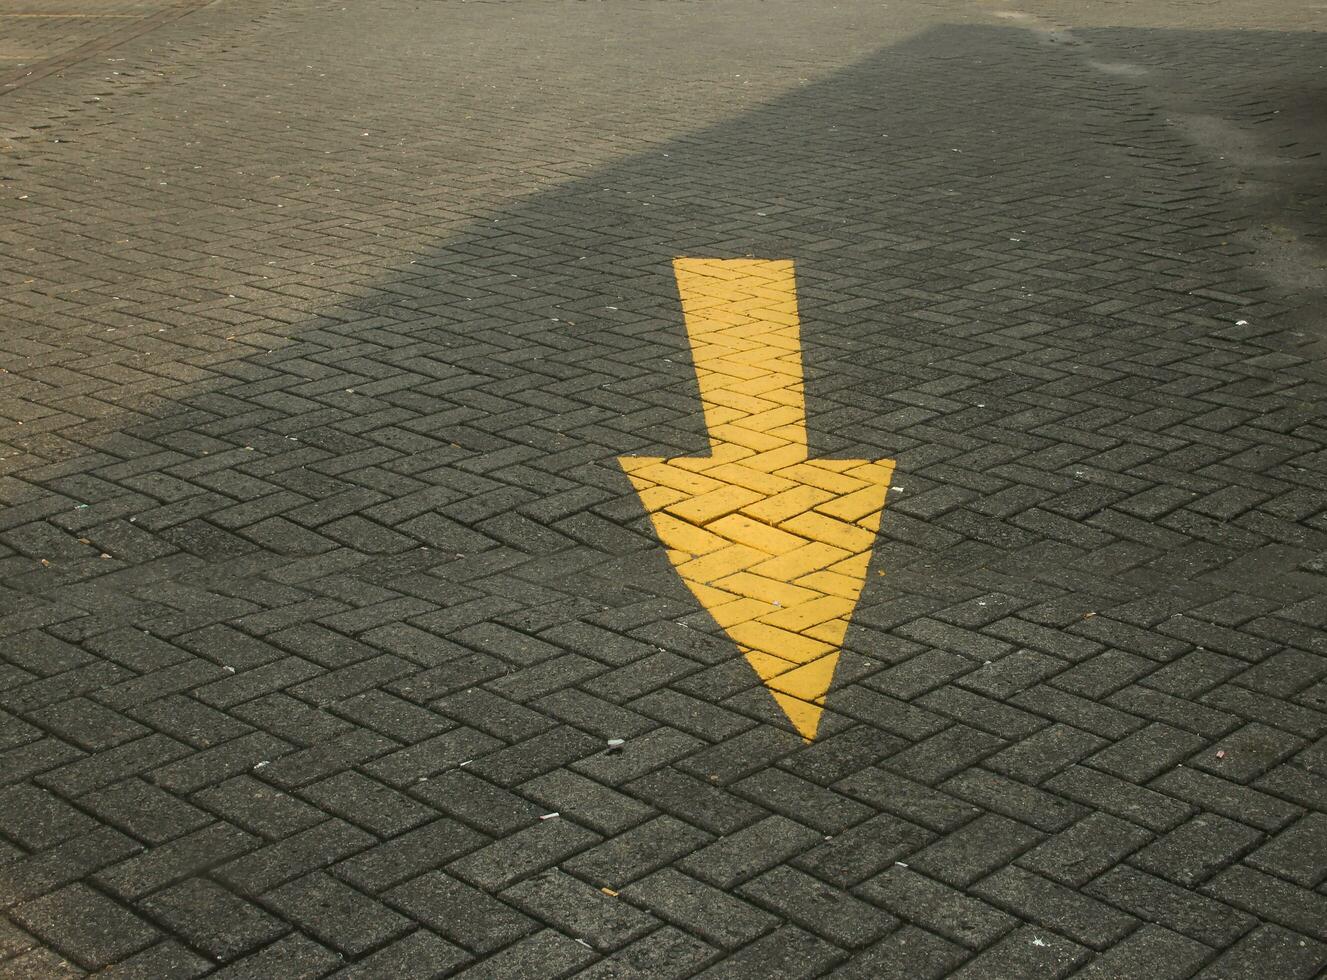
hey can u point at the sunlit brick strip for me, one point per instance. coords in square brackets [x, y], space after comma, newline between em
[773, 544]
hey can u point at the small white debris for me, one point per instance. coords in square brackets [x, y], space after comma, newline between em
[1038, 941]
[550, 816]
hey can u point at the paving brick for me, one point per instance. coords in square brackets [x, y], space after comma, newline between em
[591, 804]
[545, 954]
[1226, 798]
[492, 714]
[1079, 853]
[1045, 811]
[279, 862]
[165, 959]
[145, 811]
[1091, 716]
[1272, 898]
[1120, 799]
[383, 865]
[87, 927]
[977, 711]
[258, 808]
[1248, 752]
[904, 798]
[580, 910]
[1103, 674]
[537, 755]
[830, 913]
[430, 757]
[189, 721]
[476, 801]
[1045, 753]
[14, 940]
[39, 963]
[906, 953]
[1152, 951]
[339, 916]
[244, 754]
[1191, 853]
[1269, 951]
[665, 954]
[1298, 853]
[64, 864]
[1155, 900]
[169, 863]
[419, 954]
[640, 756]
[1275, 712]
[296, 957]
[803, 801]
[974, 850]
[936, 907]
[837, 756]
[466, 916]
[789, 950]
[700, 909]
[691, 715]
[1147, 752]
[526, 852]
[1056, 907]
[213, 920]
[637, 852]
[864, 850]
[367, 803]
[87, 724]
[37, 818]
[1026, 952]
[739, 856]
[740, 756]
[113, 765]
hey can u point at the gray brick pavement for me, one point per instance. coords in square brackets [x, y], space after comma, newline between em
[321, 591]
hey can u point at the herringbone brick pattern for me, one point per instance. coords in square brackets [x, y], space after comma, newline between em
[322, 590]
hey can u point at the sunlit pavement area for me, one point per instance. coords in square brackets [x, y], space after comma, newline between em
[661, 489]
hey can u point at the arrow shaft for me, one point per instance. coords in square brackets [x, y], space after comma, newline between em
[742, 323]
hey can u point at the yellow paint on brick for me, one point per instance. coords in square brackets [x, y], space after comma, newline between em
[756, 534]
[773, 544]
[831, 583]
[706, 507]
[655, 498]
[769, 591]
[818, 527]
[801, 561]
[865, 503]
[784, 505]
[685, 537]
[717, 564]
[803, 616]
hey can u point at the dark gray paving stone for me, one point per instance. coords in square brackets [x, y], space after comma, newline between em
[580, 910]
[700, 909]
[468, 917]
[336, 914]
[213, 920]
[87, 927]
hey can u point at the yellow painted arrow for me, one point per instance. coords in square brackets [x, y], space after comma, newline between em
[773, 544]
